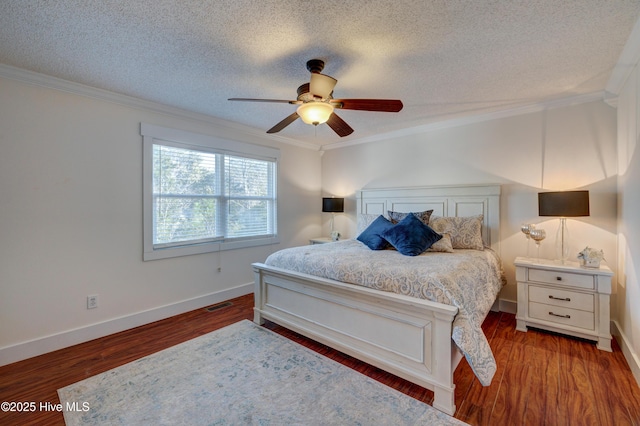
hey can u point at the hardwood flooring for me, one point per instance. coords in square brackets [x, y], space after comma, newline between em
[542, 378]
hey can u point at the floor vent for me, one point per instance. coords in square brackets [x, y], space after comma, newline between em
[218, 306]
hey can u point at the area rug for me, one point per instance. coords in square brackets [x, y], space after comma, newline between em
[240, 374]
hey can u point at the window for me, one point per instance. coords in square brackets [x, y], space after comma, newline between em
[199, 196]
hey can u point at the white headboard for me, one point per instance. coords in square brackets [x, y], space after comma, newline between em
[444, 200]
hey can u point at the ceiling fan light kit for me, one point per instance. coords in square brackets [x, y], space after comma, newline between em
[317, 104]
[322, 85]
[315, 112]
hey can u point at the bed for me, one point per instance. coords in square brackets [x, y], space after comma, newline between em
[401, 332]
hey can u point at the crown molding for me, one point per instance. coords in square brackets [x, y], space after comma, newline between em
[611, 99]
[47, 81]
[50, 82]
[472, 119]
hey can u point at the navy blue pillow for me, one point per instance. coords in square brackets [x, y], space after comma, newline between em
[372, 235]
[410, 236]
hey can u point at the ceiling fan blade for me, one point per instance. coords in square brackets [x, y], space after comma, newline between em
[339, 125]
[284, 123]
[282, 101]
[382, 105]
[321, 85]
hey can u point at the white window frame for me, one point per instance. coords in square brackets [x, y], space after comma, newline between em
[153, 134]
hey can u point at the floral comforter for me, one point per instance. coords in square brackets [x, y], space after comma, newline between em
[467, 279]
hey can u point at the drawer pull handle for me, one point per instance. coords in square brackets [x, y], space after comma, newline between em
[564, 299]
[558, 278]
[561, 316]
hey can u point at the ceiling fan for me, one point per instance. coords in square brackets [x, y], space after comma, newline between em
[316, 103]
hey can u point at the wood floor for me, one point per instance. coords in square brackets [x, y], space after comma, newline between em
[542, 379]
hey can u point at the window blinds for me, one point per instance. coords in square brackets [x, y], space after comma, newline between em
[201, 196]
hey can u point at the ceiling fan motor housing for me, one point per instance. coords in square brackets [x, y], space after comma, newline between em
[304, 88]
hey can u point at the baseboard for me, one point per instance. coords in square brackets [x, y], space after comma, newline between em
[509, 306]
[627, 350]
[29, 349]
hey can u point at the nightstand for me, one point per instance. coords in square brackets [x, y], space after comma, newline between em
[320, 240]
[565, 298]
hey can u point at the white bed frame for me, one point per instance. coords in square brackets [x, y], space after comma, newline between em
[405, 336]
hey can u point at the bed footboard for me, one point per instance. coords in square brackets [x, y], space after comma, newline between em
[405, 336]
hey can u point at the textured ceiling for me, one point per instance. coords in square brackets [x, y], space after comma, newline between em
[443, 58]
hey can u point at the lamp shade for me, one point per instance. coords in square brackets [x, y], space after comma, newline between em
[321, 85]
[315, 112]
[563, 204]
[333, 205]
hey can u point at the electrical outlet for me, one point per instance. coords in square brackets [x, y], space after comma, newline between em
[92, 301]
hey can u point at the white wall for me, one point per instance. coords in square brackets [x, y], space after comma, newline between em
[628, 297]
[556, 149]
[71, 220]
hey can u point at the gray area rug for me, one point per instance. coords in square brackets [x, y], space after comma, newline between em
[241, 374]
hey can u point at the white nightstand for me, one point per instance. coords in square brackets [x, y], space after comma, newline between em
[320, 240]
[564, 298]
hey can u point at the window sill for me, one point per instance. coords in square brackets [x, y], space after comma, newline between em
[169, 252]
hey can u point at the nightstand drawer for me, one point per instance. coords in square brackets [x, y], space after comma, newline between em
[562, 298]
[562, 278]
[560, 315]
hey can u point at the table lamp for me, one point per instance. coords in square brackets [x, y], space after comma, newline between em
[332, 205]
[563, 204]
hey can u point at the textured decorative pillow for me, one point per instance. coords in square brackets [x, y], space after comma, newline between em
[410, 236]
[363, 221]
[443, 245]
[372, 236]
[396, 217]
[465, 232]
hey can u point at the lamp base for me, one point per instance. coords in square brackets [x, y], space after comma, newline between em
[562, 241]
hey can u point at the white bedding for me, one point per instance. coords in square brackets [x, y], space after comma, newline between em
[467, 279]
